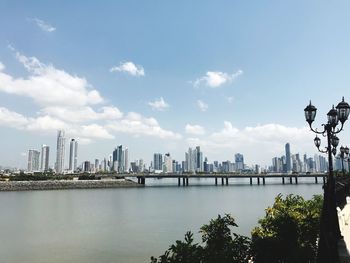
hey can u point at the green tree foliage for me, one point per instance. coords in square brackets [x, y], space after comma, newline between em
[219, 245]
[289, 231]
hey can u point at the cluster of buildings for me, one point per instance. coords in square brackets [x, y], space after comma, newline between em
[39, 161]
[293, 163]
[194, 162]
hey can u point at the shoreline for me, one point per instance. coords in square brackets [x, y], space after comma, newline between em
[9, 186]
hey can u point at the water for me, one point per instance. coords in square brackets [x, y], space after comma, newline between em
[125, 224]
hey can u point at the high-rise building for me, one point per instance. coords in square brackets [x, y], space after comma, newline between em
[33, 161]
[73, 155]
[157, 162]
[97, 165]
[118, 156]
[45, 154]
[191, 160]
[239, 160]
[288, 158]
[61, 142]
[126, 160]
[199, 159]
[168, 164]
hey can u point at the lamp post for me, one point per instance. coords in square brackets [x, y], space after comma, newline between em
[342, 156]
[329, 225]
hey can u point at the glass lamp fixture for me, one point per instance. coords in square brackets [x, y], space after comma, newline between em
[343, 110]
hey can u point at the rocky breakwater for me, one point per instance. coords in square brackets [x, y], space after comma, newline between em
[64, 184]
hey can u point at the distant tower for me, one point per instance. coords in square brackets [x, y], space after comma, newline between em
[157, 162]
[45, 152]
[199, 159]
[73, 155]
[288, 158]
[118, 159]
[126, 160]
[33, 160]
[61, 141]
[168, 163]
[239, 160]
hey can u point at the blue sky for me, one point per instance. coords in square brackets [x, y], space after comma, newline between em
[230, 76]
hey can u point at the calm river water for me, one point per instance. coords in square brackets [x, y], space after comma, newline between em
[126, 224]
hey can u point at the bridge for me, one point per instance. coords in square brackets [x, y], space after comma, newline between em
[184, 179]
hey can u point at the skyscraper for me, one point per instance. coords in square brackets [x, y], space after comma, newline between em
[239, 160]
[168, 163]
[126, 160]
[288, 158]
[73, 155]
[45, 153]
[33, 160]
[157, 162]
[118, 159]
[61, 142]
[199, 159]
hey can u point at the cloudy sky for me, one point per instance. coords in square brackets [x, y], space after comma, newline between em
[160, 76]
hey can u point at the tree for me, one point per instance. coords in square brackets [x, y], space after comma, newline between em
[219, 245]
[289, 231]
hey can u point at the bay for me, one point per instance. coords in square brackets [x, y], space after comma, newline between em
[127, 224]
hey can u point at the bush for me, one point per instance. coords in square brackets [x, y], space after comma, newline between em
[219, 245]
[289, 231]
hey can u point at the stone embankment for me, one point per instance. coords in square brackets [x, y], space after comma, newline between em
[64, 184]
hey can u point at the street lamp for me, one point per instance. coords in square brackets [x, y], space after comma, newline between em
[342, 155]
[329, 225]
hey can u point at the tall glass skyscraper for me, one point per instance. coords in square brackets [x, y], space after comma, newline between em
[45, 152]
[73, 155]
[61, 142]
[288, 159]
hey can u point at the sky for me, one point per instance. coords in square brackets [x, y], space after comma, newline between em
[162, 76]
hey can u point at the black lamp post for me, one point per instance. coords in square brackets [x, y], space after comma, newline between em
[329, 225]
[342, 156]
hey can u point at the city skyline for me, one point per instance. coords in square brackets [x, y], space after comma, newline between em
[125, 84]
[194, 161]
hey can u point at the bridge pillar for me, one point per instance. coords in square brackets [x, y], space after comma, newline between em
[183, 181]
[138, 180]
[263, 180]
[290, 180]
[143, 180]
[226, 180]
[178, 181]
[216, 181]
[258, 179]
[296, 179]
[186, 181]
[316, 180]
[222, 180]
[283, 180]
[251, 180]
[324, 179]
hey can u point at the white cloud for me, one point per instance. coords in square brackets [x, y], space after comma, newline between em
[194, 129]
[83, 114]
[202, 106]
[215, 79]
[69, 102]
[130, 68]
[159, 104]
[43, 25]
[49, 86]
[2, 66]
[136, 124]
